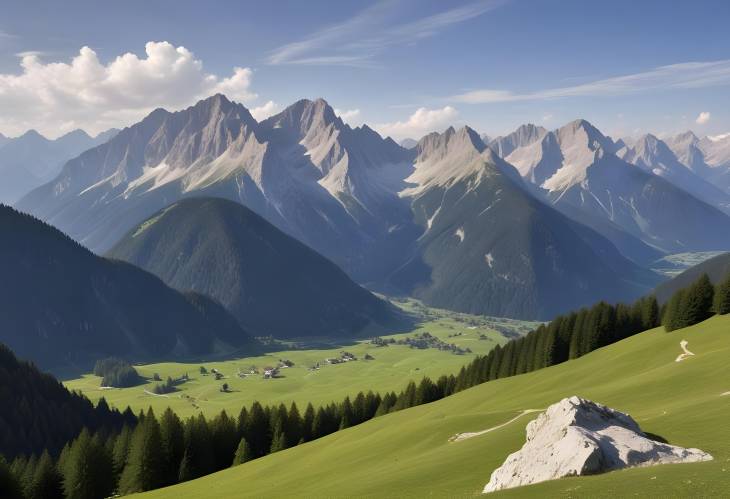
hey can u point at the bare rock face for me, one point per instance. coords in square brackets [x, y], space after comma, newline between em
[579, 437]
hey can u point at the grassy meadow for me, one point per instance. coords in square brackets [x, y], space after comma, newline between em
[408, 453]
[391, 369]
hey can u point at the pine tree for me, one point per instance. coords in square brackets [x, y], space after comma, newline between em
[243, 453]
[172, 437]
[28, 472]
[241, 423]
[722, 297]
[346, 416]
[372, 401]
[649, 313]
[427, 392]
[293, 427]
[47, 482]
[9, 484]
[224, 438]
[257, 431]
[120, 452]
[386, 404]
[699, 301]
[358, 409]
[674, 315]
[319, 424]
[145, 464]
[198, 458]
[87, 472]
[308, 423]
[278, 441]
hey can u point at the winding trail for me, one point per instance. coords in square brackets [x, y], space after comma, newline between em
[156, 394]
[686, 353]
[464, 436]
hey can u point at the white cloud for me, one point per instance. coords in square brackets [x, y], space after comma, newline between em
[56, 97]
[263, 111]
[27, 53]
[683, 75]
[547, 117]
[351, 116]
[419, 123]
[703, 118]
[356, 41]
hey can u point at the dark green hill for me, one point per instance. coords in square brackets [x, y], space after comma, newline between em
[271, 282]
[63, 306]
[37, 412]
[717, 268]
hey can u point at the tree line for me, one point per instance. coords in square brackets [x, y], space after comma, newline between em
[37, 412]
[160, 452]
[697, 302]
[578, 333]
[117, 373]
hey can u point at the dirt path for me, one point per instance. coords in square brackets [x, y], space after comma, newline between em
[156, 394]
[464, 436]
[683, 344]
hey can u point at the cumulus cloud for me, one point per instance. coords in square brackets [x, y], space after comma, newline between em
[419, 123]
[56, 97]
[263, 111]
[351, 116]
[703, 118]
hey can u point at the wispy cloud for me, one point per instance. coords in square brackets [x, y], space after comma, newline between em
[683, 75]
[31, 53]
[356, 41]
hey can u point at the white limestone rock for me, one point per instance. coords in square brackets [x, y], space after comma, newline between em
[579, 437]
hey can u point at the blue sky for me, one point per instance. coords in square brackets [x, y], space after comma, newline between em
[404, 66]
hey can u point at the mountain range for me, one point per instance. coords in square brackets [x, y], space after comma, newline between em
[272, 283]
[638, 205]
[708, 157]
[490, 246]
[31, 160]
[64, 306]
[394, 219]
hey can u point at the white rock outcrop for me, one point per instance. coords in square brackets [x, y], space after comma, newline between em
[579, 437]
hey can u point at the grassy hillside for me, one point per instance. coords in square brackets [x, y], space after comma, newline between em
[407, 454]
[391, 369]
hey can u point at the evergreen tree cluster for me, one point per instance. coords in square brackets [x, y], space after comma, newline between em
[565, 337]
[160, 452]
[116, 372]
[695, 303]
[37, 412]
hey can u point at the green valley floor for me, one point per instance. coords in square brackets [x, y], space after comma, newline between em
[408, 453]
[390, 369]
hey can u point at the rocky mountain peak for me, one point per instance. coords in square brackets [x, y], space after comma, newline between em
[523, 136]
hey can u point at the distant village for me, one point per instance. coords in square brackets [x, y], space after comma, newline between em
[421, 341]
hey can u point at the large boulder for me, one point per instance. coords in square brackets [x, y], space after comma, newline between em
[579, 437]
